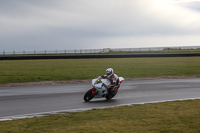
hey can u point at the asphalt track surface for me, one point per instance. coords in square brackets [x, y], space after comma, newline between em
[25, 102]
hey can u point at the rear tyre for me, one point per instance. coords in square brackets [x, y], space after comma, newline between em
[88, 96]
[108, 96]
[111, 94]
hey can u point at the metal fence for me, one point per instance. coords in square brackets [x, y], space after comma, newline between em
[106, 51]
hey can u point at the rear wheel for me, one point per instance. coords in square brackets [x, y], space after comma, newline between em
[88, 95]
[111, 94]
[108, 96]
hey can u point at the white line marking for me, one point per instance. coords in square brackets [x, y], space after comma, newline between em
[83, 109]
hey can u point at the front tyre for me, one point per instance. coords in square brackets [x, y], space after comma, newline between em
[88, 96]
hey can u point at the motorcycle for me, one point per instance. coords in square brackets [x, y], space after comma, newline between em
[99, 89]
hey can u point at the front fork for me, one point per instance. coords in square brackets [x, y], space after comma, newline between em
[93, 91]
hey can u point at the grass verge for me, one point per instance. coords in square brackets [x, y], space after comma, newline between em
[68, 69]
[173, 117]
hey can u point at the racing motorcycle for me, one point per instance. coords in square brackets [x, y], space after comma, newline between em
[99, 89]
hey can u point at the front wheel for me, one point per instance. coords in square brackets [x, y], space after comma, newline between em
[88, 95]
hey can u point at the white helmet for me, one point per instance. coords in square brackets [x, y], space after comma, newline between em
[109, 72]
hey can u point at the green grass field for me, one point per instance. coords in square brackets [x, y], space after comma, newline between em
[69, 69]
[168, 117]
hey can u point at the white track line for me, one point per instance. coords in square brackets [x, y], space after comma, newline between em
[83, 109]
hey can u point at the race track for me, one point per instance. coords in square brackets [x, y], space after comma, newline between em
[23, 102]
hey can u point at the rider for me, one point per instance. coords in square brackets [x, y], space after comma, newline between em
[114, 79]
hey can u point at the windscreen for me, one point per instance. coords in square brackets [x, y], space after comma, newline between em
[98, 81]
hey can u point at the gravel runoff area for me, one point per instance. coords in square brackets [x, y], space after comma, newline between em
[89, 81]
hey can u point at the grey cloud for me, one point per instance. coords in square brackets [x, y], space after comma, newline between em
[195, 5]
[28, 24]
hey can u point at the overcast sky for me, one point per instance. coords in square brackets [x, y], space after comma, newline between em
[91, 24]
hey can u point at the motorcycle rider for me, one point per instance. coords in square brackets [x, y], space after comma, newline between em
[114, 79]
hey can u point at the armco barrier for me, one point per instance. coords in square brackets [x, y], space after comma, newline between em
[90, 56]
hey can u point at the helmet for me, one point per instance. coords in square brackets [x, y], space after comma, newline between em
[109, 72]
